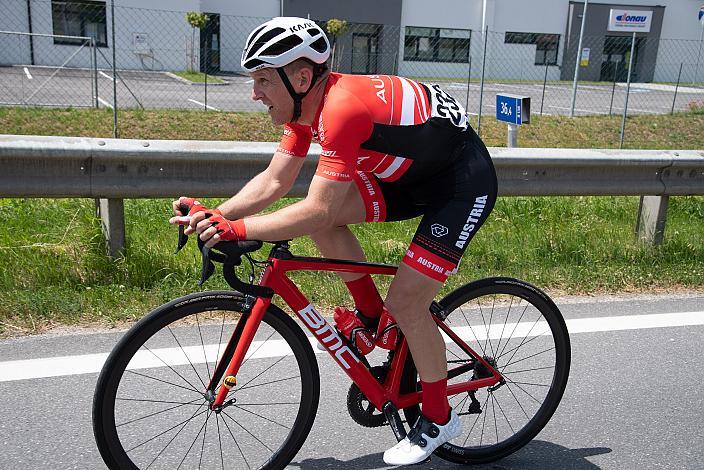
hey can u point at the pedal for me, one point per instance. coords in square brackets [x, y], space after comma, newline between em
[395, 421]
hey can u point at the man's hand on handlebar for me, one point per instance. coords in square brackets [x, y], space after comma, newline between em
[209, 223]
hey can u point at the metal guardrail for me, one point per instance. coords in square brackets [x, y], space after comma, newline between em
[113, 169]
[34, 166]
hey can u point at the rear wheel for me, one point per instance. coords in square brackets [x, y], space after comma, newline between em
[150, 409]
[519, 331]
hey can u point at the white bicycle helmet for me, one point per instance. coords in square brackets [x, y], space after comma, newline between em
[282, 40]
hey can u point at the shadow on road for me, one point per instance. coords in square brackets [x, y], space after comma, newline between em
[536, 455]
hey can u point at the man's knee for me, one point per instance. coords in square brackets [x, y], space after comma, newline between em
[411, 295]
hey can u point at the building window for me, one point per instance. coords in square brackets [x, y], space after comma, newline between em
[546, 45]
[79, 18]
[436, 44]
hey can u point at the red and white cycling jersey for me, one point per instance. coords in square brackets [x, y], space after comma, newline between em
[380, 124]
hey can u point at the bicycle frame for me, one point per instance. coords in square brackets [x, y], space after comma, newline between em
[379, 394]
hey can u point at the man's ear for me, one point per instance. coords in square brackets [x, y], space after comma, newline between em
[304, 77]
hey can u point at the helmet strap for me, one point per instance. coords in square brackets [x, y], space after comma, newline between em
[298, 97]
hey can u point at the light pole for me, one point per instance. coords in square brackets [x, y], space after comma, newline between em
[577, 57]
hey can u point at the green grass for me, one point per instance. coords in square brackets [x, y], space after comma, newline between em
[197, 77]
[680, 131]
[55, 272]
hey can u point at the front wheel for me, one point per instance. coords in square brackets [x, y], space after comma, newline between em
[518, 330]
[150, 408]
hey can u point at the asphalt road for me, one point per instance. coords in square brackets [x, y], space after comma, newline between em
[46, 86]
[634, 398]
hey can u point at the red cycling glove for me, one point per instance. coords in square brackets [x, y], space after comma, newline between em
[229, 230]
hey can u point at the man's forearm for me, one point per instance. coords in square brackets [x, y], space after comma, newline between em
[258, 194]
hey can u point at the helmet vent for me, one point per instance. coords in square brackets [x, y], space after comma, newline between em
[319, 45]
[272, 33]
[282, 46]
[253, 35]
[252, 63]
[313, 32]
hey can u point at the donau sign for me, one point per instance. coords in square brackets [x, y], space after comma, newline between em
[630, 20]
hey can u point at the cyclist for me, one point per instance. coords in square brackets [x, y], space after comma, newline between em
[392, 149]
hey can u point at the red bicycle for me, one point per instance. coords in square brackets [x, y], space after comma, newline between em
[226, 379]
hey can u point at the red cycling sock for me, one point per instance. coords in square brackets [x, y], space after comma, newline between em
[366, 298]
[435, 405]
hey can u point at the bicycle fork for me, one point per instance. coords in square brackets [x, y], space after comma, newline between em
[234, 354]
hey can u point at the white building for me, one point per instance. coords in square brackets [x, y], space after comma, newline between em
[526, 39]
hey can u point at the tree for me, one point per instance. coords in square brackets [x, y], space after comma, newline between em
[196, 20]
[336, 28]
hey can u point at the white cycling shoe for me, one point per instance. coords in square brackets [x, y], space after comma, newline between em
[422, 441]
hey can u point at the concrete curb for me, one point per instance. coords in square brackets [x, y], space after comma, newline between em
[181, 79]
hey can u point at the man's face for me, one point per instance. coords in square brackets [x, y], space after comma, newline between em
[271, 91]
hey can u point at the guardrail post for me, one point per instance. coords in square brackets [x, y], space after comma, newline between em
[112, 216]
[652, 215]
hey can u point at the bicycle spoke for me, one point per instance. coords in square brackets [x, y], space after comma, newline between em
[202, 446]
[525, 338]
[481, 436]
[235, 440]
[525, 309]
[458, 406]
[524, 391]
[472, 330]
[481, 312]
[508, 386]
[173, 370]
[247, 431]
[493, 410]
[188, 358]
[165, 381]
[156, 413]
[222, 459]
[491, 318]
[261, 373]
[527, 370]
[202, 343]
[527, 357]
[217, 355]
[258, 348]
[502, 412]
[501, 336]
[167, 445]
[269, 404]
[260, 416]
[195, 414]
[523, 344]
[476, 420]
[267, 383]
[191, 446]
[529, 383]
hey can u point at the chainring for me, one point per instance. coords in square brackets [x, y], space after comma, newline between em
[362, 411]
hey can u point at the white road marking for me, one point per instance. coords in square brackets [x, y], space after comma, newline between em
[203, 104]
[104, 103]
[106, 75]
[93, 363]
[26, 72]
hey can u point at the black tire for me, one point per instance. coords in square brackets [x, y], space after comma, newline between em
[155, 414]
[516, 412]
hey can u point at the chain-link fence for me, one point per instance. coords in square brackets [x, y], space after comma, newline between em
[60, 53]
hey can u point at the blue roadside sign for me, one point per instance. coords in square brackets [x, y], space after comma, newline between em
[513, 109]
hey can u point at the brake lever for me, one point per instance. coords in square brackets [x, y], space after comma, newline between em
[182, 237]
[208, 267]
